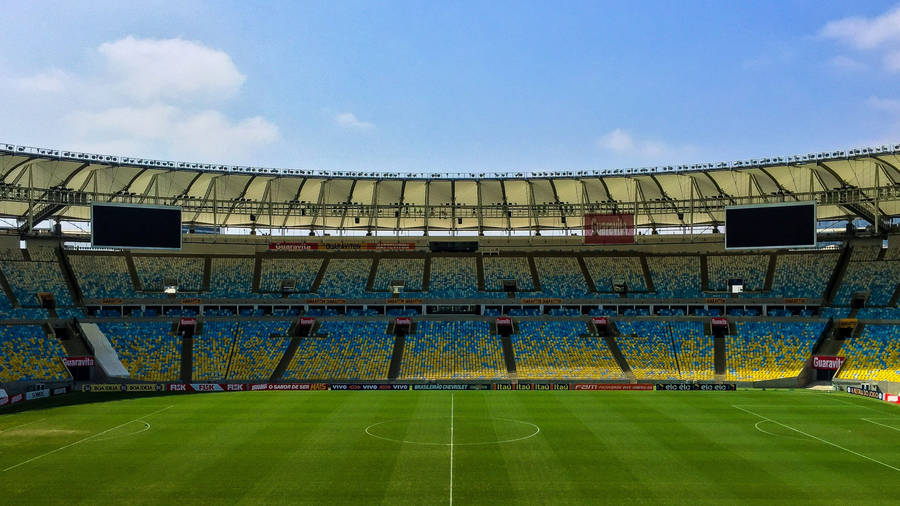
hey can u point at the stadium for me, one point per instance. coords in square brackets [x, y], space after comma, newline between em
[438, 253]
[493, 315]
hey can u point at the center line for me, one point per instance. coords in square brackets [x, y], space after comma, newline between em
[451, 448]
[818, 438]
[61, 448]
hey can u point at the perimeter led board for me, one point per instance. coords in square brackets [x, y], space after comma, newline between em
[135, 226]
[782, 225]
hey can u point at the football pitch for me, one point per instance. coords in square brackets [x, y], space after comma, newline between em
[467, 447]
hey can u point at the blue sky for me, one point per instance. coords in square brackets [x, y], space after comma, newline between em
[450, 86]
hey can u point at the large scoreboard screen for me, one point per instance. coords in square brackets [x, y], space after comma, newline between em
[782, 225]
[135, 226]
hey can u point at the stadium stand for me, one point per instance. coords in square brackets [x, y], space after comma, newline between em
[561, 277]
[354, 350]
[155, 271]
[231, 277]
[802, 274]
[27, 354]
[675, 276]
[769, 350]
[659, 349]
[346, 277]
[101, 276]
[212, 350]
[27, 279]
[876, 313]
[453, 277]
[879, 279]
[865, 253]
[258, 349]
[302, 270]
[497, 269]
[409, 270]
[146, 349]
[605, 271]
[749, 268]
[873, 356]
[452, 350]
[549, 350]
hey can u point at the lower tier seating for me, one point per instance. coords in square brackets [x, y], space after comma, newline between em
[452, 350]
[351, 351]
[258, 349]
[146, 349]
[27, 354]
[874, 355]
[556, 350]
[769, 350]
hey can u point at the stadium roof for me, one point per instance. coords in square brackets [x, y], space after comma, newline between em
[39, 184]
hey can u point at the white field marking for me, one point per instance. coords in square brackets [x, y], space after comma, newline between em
[61, 448]
[882, 424]
[818, 439]
[23, 425]
[537, 430]
[117, 436]
[451, 448]
[764, 431]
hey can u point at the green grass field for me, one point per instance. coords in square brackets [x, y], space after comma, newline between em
[591, 447]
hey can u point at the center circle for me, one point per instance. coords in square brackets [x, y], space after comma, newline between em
[436, 431]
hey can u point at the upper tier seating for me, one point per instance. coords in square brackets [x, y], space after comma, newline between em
[257, 352]
[453, 277]
[879, 313]
[878, 278]
[231, 277]
[769, 350]
[556, 350]
[102, 276]
[865, 252]
[750, 268]
[409, 270]
[873, 356]
[496, 269]
[561, 277]
[803, 274]
[675, 276]
[27, 354]
[346, 277]
[605, 271]
[155, 271]
[146, 349]
[453, 350]
[352, 350]
[275, 270]
[28, 278]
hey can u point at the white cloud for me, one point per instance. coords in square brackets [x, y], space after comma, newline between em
[149, 97]
[865, 33]
[621, 142]
[150, 69]
[890, 105]
[50, 81]
[147, 130]
[847, 64]
[350, 121]
[878, 35]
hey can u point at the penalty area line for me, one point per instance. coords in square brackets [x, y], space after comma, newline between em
[882, 424]
[817, 438]
[61, 448]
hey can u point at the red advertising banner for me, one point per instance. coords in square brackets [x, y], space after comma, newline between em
[402, 321]
[827, 362]
[293, 246]
[892, 398]
[608, 228]
[504, 320]
[187, 322]
[600, 321]
[719, 322]
[368, 246]
[78, 361]
[612, 386]
[288, 386]
[307, 321]
[388, 246]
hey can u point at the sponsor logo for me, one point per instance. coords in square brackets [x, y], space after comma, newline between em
[236, 388]
[259, 386]
[608, 228]
[78, 361]
[541, 386]
[325, 301]
[37, 394]
[142, 387]
[188, 322]
[561, 386]
[680, 387]
[504, 320]
[335, 386]
[105, 388]
[872, 394]
[600, 321]
[441, 387]
[612, 386]
[16, 398]
[892, 398]
[307, 321]
[403, 321]
[177, 387]
[523, 387]
[206, 387]
[59, 391]
[719, 322]
[541, 301]
[503, 386]
[827, 362]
